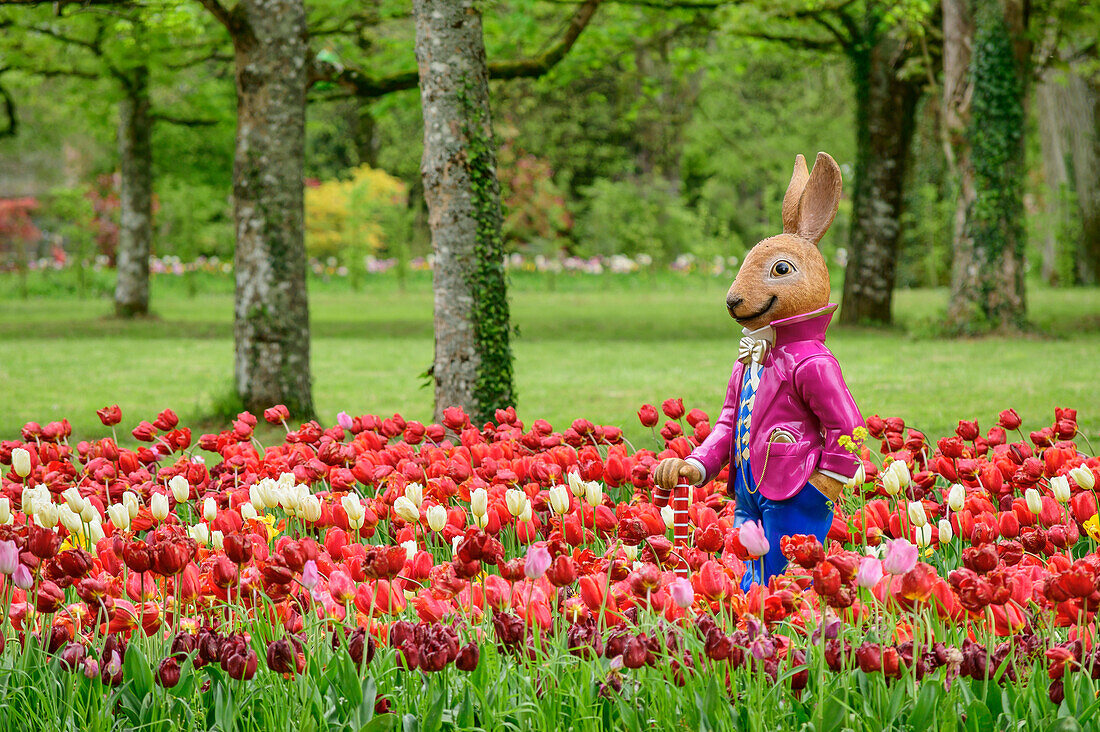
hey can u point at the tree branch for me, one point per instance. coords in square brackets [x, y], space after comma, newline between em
[182, 121]
[12, 126]
[812, 44]
[221, 14]
[366, 87]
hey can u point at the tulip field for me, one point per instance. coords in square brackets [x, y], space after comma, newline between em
[381, 573]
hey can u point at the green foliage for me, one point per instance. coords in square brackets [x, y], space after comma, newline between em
[193, 219]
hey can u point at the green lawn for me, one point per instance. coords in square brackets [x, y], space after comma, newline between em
[594, 347]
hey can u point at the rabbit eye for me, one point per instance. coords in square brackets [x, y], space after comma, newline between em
[782, 267]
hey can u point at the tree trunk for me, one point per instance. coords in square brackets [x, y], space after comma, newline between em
[885, 121]
[985, 119]
[473, 358]
[135, 235]
[271, 312]
[1055, 174]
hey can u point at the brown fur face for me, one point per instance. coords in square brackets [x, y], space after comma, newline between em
[785, 275]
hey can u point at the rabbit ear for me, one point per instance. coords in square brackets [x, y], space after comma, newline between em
[820, 199]
[794, 195]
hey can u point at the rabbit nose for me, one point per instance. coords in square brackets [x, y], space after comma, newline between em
[732, 303]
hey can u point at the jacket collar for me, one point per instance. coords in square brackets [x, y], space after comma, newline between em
[805, 327]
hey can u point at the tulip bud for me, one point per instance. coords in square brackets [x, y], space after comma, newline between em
[119, 516]
[405, 508]
[217, 540]
[410, 549]
[576, 485]
[1083, 477]
[47, 515]
[130, 500]
[248, 512]
[681, 592]
[73, 499]
[527, 514]
[891, 482]
[593, 493]
[158, 506]
[668, 516]
[1059, 486]
[415, 493]
[310, 509]
[181, 489]
[917, 514]
[946, 532]
[956, 497]
[559, 499]
[514, 499]
[209, 510]
[924, 534]
[5, 510]
[479, 502]
[437, 518]
[88, 514]
[902, 471]
[200, 533]
[859, 478]
[95, 530]
[68, 519]
[630, 551]
[481, 520]
[870, 572]
[21, 462]
[1034, 501]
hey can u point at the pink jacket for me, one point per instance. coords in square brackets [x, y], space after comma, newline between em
[801, 392]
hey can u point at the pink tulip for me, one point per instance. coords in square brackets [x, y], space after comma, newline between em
[310, 575]
[21, 577]
[681, 592]
[344, 420]
[538, 561]
[870, 572]
[753, 538]
[9, 557]
[901, 556]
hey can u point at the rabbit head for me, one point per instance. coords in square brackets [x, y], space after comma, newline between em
[785, 275]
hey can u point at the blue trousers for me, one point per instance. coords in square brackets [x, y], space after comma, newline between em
[806, 512]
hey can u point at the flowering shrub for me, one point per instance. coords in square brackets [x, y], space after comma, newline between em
[513, 574]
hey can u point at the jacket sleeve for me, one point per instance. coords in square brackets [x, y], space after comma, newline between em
[820, 384]
[714, 453]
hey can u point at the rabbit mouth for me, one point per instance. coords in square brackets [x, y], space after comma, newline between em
[746, 318]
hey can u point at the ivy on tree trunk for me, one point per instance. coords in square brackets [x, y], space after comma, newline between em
[473, 357]
[135, 235]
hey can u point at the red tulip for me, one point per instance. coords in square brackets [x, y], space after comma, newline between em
[110, 416]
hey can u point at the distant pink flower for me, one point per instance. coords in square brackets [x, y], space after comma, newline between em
[870, 572]
[344, 420]
[9, 557]
[753, 538]
[538, 561]
[901, 556]
[681, 592]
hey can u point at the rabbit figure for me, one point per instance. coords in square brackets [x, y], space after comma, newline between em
[786, 406]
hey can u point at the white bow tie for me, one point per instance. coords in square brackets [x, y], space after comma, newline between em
[752, 349]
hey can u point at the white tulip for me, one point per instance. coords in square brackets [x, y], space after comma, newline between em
[410, 549]
[946, 532]
[902, 471]
[181, 489]
[415, 493]
[630, 551]
[576, 485]
[479, 502]
[917, 514]
[527, 513]
[95, 531]
[130, 500]
[891, 482]
[209, 509]
[1083, 477]
[437, 518]
[271, 492]
[924, 535]
[593, 493]
[859, 478]
[47, 515]
[248, 512]
[1059, 486]
[514, 499]
[559, 499]
[69, 519]
[158, 506]
[88, 514]
[406, 509]
[119, 515]
[256, 497]
[1034, 501]
[353, 507]
[21, 462]
[217, 540]
[5, 509]
[73, 499]
[26, 501]
[668, 516]
[310, 509]
[481, 520]
[454, 544]
[956, 497]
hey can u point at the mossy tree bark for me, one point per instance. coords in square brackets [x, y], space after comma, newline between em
[473, 359]
[135, 235]
[886, 103]
[271, 310]
[985, 71]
